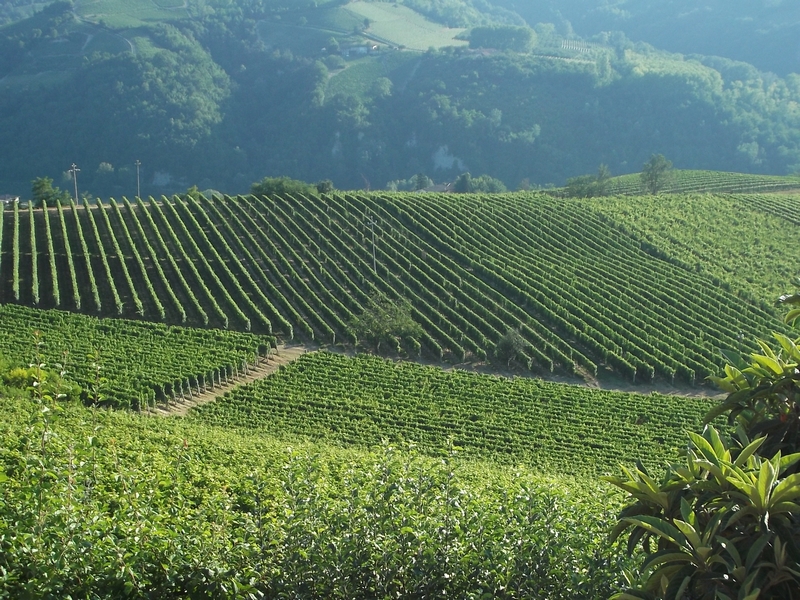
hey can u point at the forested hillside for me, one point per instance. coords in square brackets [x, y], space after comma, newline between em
[364, 93]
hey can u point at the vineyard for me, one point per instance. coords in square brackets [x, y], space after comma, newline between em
[586, 297]
[688, 182]
[553, 427]
[746, 241]
[139, 362]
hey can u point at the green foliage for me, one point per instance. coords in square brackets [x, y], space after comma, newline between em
[764, 394]
[587, 186]
[727, 522]
[170, 361]
[655, 173]
[110, 504]
[509, 346]
[270, 186]
[43, 192]
[361, 401]
[421, 181]
[722, 525]
[516, 39]
[467, 184]
[386, 321]
[324, 187]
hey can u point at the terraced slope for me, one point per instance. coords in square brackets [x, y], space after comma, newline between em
[586, 296]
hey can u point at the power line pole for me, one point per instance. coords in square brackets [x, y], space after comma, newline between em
[74, 170]
[374, 261]
[138, 189]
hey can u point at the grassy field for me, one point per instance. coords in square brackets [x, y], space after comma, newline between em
[402, 26]
[119, 14]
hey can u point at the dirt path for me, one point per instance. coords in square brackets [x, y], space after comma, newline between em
[286, 354]
[282, 356]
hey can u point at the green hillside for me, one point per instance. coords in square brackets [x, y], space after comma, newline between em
[221, 94]
[682, 181]
[746, 241]
[143, 507]
[555, 428]
[591, 294]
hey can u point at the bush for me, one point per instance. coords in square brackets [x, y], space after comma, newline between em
[726, 523]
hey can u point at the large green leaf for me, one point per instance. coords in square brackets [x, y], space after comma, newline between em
[659, 527]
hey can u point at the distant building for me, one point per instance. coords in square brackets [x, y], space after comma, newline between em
[355, 51]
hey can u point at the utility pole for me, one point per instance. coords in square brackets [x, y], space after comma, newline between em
[74, 170]
[374, 261]
[138, 189]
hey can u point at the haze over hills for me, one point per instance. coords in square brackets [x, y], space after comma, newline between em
[364, 93]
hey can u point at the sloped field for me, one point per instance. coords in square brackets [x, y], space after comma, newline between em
[586, 296]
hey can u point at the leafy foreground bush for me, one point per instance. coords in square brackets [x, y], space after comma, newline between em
[97, 504]
[726, 523]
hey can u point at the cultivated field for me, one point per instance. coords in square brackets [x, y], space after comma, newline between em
[587, 297]
[354, 476]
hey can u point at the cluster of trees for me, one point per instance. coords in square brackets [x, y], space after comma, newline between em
[654, 177]
[208, 103]
[286, 185]
[503, 37]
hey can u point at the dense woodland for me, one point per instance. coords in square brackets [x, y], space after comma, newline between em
[213, 101]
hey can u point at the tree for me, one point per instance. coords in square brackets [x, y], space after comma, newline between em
[43, 191]
[462, 185]
[483, 183]
[422, 181]
[655, 172]
[281, 185]
[603, 175]
[725, 523]
[509, 346]
[193, 192]
[588, 186]
[583, 186]
[386, 321]
[333, 45]
[325, 186]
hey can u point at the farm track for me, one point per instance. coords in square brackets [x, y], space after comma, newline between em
[282, 356]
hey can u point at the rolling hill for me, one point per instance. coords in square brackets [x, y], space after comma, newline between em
[594, 289]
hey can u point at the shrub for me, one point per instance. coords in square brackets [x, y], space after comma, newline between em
[726, 523]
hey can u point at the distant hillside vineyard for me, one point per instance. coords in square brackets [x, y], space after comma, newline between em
[586, 296]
